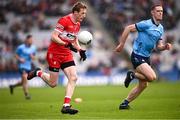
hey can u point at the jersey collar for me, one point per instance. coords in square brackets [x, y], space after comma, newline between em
[154, 22]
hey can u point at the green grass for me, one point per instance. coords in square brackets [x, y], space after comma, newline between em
[161, 100]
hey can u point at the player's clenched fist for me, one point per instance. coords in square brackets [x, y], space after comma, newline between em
[168, 46]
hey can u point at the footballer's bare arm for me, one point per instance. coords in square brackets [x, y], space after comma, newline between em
[122, 40]
[55, 38]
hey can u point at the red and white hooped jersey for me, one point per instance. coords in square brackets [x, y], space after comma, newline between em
[68, 30]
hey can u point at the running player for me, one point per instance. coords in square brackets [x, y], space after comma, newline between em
[149, 37]
[25, 53]
[59, 56]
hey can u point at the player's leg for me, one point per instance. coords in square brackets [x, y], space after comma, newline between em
[133, 94]
[145, 71]
[145, 74]
[53, 75]
[138, 63]
[19, 83]
[139, 75]
[49, 78]
[70, 72]
[11, 87]
[25, 85]
[71, 75]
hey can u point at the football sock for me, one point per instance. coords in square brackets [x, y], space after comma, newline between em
[39, 73]
[67, 101]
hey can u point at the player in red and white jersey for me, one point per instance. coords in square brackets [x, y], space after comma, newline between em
[67, 29]
[63, 42]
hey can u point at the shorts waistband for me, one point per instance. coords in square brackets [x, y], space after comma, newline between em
[133, 53]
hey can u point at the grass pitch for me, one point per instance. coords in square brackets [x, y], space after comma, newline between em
[161, 100]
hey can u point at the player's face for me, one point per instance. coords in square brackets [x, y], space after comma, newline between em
[29, 41]
[81, 15]
[157, 13]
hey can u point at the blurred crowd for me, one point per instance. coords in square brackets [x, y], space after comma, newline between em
[116, 14]
[21, 17]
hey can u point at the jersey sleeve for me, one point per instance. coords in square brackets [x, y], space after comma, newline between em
[18, 50]
[61, 24]
[34, 50]
[142, 25]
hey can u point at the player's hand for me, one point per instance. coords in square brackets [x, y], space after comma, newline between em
[82, 53]
[71, 47]
[168, 46]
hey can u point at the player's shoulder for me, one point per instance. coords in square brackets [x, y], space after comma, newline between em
[21, 46]
[146, 21]
[65, 18]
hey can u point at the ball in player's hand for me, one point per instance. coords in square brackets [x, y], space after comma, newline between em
[78, 100]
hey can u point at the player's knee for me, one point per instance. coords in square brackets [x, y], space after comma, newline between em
[73, 78]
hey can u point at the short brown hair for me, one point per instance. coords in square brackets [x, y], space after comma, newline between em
[78, 6]
[156, 3]
[28, 36]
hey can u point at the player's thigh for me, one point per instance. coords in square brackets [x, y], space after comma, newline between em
[54, 61]
[70, 72]
[24, 74]
[147, 71]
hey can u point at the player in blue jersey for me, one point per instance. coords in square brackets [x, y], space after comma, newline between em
[25, 53]
[149, 37]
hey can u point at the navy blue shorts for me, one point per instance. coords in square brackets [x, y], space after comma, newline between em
[138, 60]
[22, 70]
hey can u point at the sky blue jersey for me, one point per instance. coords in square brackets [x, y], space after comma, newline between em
[149, 35]
[24, 52]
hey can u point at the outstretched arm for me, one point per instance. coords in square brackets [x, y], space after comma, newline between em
[122, 40]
